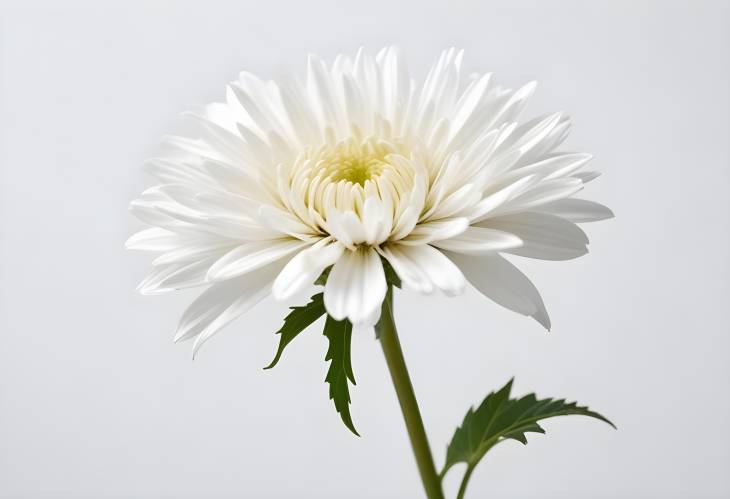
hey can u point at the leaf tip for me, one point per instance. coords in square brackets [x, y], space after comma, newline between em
[273, 362]
[609, 422]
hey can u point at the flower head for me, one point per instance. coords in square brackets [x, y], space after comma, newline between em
[356, 165]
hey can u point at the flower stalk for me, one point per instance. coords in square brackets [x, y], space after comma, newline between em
[388, 336]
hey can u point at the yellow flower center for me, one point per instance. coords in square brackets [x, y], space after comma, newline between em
[357, 169]
[341, 178]
[351, 162]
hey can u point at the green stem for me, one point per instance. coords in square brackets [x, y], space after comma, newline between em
[388, 336]
[464, 482]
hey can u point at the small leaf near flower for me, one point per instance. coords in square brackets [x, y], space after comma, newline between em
[297, 321]
[322, 279]
[390, 276]
[499, 418]
[339, 334]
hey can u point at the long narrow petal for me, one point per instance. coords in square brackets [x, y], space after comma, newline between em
[502, 282]
[376, 221]
[546, 236]
[174, 276]
[355, 286]
[435, 231]
[578, 210]
[305, 268]
[543, 193]
[195, 251]
[493, 201]
[424, 267]
[409, 272]
[251, 256]
[346, 227]
[555, 166]
[480, 241]
[224, 302]
[283, 222]
[155, 239]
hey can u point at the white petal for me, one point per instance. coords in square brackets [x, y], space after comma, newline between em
[355, 286]
[480, 241]
[465, 197]
[227, 204]
[155, 239]
[493, 201]
[428, 232]
[587, 176]
[235, 180]
[346, 228]
[578, 210]
[408, 213]
[227, 144]
[196, 250]
[298, 110]
[499, 280]
[412, 276]
[224, 302]
[524, 143]
[159, 209]
[184, 148]
[369, 322]
[468, 102]
[556, 137]
[376, 222]
[283, 222]
[149, 213]
[545, 236]
[170, 171]
[251, 256]
[426, 262]
[513, 106]
[170, 277]
[542, 193]
[305, 268]
[319, 86]
[248, 94]
[553, 167]
[395, 79]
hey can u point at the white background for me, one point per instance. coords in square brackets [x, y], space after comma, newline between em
[95, 400]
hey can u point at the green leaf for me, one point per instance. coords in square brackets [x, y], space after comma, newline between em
[339, 334]
[322, 279]
[499, 418]
[390, 276]
[297, 321]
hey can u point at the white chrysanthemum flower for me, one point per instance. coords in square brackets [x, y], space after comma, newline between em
[355, 164]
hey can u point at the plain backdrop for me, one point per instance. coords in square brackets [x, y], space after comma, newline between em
[97, 402]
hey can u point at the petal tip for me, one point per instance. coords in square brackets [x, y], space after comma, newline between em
[541, 316]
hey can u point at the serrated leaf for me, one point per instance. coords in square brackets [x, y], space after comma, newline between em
[499, 418]
[299, 319]
[339, 374]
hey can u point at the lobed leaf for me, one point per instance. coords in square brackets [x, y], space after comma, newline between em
[499, 418]
[299, 319]
[339, 334]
